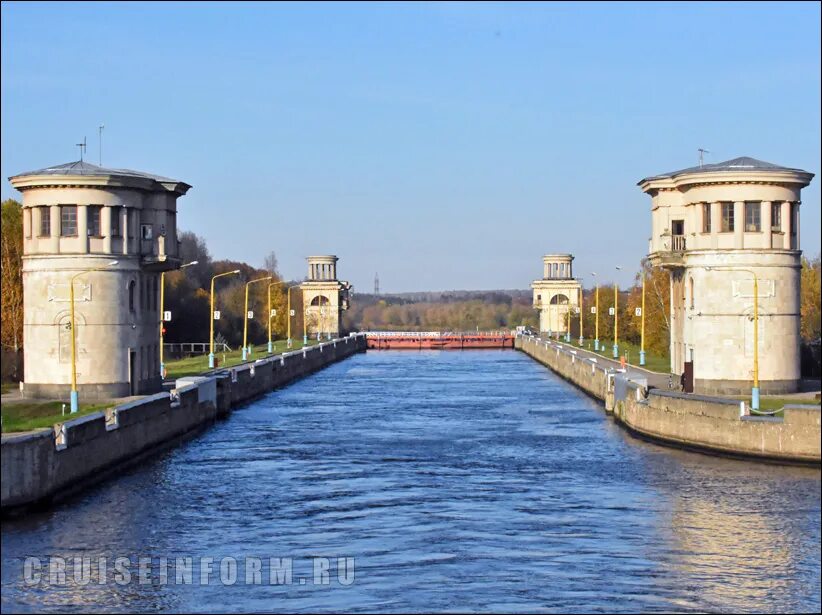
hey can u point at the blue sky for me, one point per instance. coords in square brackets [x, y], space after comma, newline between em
[445, 146]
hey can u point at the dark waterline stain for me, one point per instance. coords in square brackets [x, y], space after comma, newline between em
[458, 481]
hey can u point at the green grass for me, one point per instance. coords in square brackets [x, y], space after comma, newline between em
[653, 362]
[191, 366]
[769, 403]
[25, 416]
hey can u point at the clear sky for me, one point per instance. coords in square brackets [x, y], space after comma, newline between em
[445, 146]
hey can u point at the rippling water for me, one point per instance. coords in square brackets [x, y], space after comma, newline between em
[457, 481]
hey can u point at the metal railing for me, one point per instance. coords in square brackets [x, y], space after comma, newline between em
[193, 348]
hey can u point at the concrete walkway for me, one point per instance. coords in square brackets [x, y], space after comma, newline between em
[655, 379]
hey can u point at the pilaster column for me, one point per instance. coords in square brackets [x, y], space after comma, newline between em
[82, 228]
[105, 228]
[786, 224]
[26, 222]
[739, 224]
[125, 229]
[54, 221]
[767, 222]
[796, 208]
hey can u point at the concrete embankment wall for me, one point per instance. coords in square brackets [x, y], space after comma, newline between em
[39, 467]
[691, 421]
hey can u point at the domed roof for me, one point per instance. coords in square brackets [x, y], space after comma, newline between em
[85, 169]
[737, 165]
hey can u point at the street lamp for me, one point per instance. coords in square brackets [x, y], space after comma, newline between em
[162, 314]
[596, 312]
[246, 349]
[616, 316]
[581, 312]
[642, 321]
[211, 335]
[75, 399]
[288, 342]
[270, 314]
[755, 388]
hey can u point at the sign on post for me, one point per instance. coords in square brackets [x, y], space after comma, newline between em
[250, 314]
[610, 311]
[273, 312]
[593, 310]
[638, 311]
[293, 313]
[167, 315]
[216, 314]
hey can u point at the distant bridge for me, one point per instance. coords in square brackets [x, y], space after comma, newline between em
[436, 340]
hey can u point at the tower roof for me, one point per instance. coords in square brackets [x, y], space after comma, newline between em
[80, 168]
[737, 165]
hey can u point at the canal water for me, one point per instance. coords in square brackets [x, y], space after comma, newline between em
[461, 481]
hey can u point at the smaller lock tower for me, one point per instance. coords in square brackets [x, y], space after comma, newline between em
[556, 295]
[324, 297]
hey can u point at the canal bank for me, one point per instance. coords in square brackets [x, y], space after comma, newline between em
[697, 422]
[45, 465]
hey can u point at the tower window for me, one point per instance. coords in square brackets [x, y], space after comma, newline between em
[68, 220]
[753, 222]
[131, 286]
[115, 222]
[45, 221]
[776, 216]
[727, 217]
[706, 217]
[94, 212]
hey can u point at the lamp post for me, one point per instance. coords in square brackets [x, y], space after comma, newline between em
[246, 349]
[305, 327]
[162, 315]
[288, 342]
[270, 314]
[642, 321]
[75, 398]
[755, 387]
[616, 316]
[596, 312]
[211, 335]
[581, 312]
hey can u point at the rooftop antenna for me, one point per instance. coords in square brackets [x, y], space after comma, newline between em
[82, 147]
[100, 136]
[702, 153]
[376, 283]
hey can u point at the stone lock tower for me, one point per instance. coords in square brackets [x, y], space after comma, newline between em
[720, 229]
[121, 224]
[324, 297]
[556, 295]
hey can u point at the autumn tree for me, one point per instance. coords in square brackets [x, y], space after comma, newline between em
[810, 298]
[11, 273]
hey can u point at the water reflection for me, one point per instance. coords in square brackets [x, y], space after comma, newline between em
[458, 481]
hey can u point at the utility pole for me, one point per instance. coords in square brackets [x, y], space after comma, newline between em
[100, 142]
[702, 153]
[376, 283]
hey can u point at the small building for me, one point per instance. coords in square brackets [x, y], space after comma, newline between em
[716, 228]
[557, 294]
[324, 297]
[79, 217]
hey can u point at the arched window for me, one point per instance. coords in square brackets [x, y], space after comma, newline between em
[131, 286]
[320, 300]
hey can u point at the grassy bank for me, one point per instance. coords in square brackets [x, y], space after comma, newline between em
[28, 415]
[191, 366]
[653, 362]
